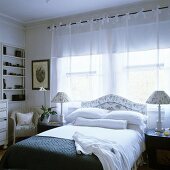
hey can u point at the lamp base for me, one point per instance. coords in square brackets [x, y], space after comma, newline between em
[159, 127]
[61, 119]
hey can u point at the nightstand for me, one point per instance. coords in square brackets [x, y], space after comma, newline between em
[41, 127]
[158, 150]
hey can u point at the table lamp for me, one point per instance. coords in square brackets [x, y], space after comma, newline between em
[43, 90]
[159, 97]
[61, 97]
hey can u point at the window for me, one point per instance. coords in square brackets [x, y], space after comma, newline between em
[82, 77]
[146, 73]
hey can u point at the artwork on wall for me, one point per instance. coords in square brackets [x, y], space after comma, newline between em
[40, 74]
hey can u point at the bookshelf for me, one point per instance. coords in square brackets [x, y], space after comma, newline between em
[12, 73]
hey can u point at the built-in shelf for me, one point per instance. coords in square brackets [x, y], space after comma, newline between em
[12, 89]
[14, 67]
[14, 57]
[11, 101]
[12, 72]
[12, 76]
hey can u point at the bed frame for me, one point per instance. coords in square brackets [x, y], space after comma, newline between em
[114, 102]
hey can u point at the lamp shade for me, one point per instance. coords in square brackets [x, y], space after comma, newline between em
[60, 97]
[158, 97]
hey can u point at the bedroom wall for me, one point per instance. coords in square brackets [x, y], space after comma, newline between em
[13, 33]
[38, 41]
[38, 47]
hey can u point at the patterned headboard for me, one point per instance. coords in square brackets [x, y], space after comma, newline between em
[113, 102]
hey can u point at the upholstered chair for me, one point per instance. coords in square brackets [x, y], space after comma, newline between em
[24, 130]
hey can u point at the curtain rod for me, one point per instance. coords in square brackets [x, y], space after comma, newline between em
[98, 19]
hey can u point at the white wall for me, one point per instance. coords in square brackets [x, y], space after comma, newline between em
[38, 47]
[12, 33]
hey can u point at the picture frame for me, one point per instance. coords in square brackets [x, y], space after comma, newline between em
[40, 74]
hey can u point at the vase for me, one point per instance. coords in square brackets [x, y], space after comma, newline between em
[46, 119]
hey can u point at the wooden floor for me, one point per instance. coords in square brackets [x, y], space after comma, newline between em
[145, 167]
[2, 153]
[140, 168]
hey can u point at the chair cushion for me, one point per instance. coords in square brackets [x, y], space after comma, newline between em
[26, 130]
[24, 118]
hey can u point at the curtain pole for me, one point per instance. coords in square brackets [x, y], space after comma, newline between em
[98, 19]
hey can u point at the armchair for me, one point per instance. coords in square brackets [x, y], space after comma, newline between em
[24, 130]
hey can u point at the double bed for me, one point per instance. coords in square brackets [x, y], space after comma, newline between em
[57, 149]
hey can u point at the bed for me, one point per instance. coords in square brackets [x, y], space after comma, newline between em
[55, 149]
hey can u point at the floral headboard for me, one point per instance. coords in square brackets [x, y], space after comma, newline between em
[113, 102]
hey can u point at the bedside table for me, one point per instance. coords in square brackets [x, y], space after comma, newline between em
[158, 150]
[41, 127]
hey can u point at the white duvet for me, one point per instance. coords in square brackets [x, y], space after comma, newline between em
[131, 141]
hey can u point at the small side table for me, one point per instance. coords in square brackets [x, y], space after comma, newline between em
[41, 127]
[158, 150]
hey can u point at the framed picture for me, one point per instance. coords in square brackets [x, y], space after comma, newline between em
[40, 74]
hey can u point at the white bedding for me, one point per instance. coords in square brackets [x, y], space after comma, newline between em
[110, 154]
[131, 140]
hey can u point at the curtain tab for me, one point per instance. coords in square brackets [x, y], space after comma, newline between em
[91, 21]
[52, 27]
[116, 18]
[137, 14]
[107, 19]
[69, 25]
[128, 16]
[49, 28]
[55, 27]
[142, 10]
[103, 20]
[158, 10]
[143, 13]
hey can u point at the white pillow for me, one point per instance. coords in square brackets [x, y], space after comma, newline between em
[139, 128]
[105, 123]
[24, 118]
[132, 117]
[89, 113]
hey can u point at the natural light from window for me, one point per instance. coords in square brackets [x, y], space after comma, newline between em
[145, 72]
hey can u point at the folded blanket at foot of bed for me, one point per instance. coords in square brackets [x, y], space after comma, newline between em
[111, 155]
[47, 153]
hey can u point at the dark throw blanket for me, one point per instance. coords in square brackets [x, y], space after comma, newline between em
[47, 153]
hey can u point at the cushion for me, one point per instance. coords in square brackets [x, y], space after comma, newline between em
[26, 130]
[89, 113]
[132, 117]
[24, 118]
[139, 128]
[105, 123]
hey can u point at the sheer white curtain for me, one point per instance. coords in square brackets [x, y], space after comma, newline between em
[87, 64]
[127, 56]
